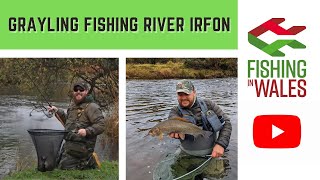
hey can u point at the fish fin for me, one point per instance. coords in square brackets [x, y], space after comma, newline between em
[182, 136]
[161, 136]
[180, 119]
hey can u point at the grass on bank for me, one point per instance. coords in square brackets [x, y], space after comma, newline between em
[109, 171]
[172, 70]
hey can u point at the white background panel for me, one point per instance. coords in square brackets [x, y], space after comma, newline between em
[300, 162]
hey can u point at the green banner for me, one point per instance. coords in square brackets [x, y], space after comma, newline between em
[119, 24]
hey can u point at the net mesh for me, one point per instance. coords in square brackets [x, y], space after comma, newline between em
[47, 143]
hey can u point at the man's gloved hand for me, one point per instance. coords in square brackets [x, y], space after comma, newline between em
[217, 151]
[177, 135]
[53, 109]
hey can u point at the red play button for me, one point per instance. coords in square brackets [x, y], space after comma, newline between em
[276, 131]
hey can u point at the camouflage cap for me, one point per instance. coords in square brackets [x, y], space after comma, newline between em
[82, 84]
[184, 86]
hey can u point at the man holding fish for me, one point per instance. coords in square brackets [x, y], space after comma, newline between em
[203, 113]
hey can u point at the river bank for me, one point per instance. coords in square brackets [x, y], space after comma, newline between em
[108, 168]
[181, 70]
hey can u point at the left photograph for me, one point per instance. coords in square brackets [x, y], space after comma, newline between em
[59, 118]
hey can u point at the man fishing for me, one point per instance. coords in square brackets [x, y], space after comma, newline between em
[84, 121]
[204, 113]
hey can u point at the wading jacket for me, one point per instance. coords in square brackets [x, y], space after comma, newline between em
[224, 133]
[86, 115]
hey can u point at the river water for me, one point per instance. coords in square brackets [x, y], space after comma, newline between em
[16, 147]
[149, 102]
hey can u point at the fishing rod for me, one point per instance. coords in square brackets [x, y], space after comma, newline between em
[42, 109]
[43, 97]
[34, 84]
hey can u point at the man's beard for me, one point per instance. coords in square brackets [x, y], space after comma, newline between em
[77, 101]
[190, 102]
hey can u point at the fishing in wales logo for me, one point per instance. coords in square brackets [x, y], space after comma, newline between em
[273, 48]
[277, 77]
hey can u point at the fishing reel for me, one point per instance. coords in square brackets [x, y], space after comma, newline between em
[43, 109]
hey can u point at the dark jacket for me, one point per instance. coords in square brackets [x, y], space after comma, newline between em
[86, 115]
[225, 132]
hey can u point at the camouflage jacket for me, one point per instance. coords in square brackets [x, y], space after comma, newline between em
[86, 115]
[225, 132]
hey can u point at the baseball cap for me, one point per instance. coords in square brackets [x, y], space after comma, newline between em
[82, 84]
[184, 86]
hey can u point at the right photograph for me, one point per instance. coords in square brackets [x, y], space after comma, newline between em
[181, 118]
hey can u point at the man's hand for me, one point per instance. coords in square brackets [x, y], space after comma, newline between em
[52, 109]
[177, 135]
[217, 151]
[82, 132]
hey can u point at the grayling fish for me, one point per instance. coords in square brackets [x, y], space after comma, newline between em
[176, 125]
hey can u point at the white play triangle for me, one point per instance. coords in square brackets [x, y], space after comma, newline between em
[276, 131]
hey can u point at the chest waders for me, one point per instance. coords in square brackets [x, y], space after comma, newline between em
[76, 145]
[211, 123]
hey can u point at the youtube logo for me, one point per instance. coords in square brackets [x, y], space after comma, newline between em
[276, 131]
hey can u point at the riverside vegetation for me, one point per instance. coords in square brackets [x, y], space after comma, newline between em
[187, 68]
[108, 169]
